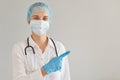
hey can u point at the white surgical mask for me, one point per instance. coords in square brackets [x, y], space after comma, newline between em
[39, 27]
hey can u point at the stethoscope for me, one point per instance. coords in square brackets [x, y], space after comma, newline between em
[33, 50]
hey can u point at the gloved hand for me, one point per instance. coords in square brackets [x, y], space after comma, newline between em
[55, 63]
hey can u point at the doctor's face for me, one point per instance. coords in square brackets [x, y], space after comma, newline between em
[39, 16]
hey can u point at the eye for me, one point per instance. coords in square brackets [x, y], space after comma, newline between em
[45, 18]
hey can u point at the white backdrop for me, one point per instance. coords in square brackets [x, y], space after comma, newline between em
[89, 28]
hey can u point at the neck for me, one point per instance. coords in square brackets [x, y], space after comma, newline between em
[40, 40]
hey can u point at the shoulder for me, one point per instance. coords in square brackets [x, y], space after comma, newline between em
[60, 44]
[19, 44]
[18, 47]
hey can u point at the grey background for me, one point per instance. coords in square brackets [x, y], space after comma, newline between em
[89, 28]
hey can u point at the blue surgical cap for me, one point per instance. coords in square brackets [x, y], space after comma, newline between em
[39, 7]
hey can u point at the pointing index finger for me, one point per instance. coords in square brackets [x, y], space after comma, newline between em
[64, 54]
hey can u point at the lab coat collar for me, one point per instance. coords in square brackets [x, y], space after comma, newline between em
[32, 42]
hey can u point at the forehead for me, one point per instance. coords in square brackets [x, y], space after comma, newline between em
[40, 14]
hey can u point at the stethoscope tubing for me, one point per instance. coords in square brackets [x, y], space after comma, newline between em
[29, 46]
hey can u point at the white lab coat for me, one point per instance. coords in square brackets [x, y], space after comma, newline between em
[28, 67]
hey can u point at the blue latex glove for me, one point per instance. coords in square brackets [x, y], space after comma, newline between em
[55, 63]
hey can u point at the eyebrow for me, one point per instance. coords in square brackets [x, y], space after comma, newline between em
[37, 16]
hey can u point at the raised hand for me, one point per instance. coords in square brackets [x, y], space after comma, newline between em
[55, 63]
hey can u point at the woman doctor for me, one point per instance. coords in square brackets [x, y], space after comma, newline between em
[39, 57]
